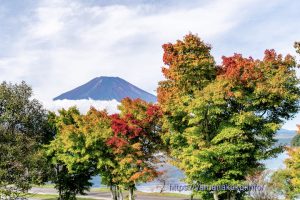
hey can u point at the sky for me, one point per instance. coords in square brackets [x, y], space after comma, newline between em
[56, 45]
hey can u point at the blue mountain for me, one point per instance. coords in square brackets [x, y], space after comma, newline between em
[284, 133]
[107, 88]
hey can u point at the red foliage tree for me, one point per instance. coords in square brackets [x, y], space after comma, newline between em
[135, 141]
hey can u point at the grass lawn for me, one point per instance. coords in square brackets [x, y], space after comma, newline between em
[104, 189]
[54, 197]
[51, 197]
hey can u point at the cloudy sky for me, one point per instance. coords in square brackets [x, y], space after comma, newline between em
[56, 45]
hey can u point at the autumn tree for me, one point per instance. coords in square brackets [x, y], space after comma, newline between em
[293, 168]
[287, 180]
[220, 121]
[281, 182]
[23, 131]
[293, 163]
[120, 148]
[297, 47]
[71, 175]
[135, 143]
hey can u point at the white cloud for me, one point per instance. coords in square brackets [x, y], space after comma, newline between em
[73, 42]
[63, 44]
[48, 19]
[83, 105]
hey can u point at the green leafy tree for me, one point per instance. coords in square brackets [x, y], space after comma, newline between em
[281, 182]
[23, 131]
[70, 176]
[293, 170]
[80, 150]
[296, 141]
[120, 148]
[287, 181]
[297, 47]
[221, 122]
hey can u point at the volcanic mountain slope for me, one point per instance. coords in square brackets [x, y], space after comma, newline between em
[107, 88]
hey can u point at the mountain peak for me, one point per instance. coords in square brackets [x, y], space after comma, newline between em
[107, 77]
[107, 88]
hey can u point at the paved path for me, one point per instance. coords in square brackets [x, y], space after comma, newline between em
[106, 195]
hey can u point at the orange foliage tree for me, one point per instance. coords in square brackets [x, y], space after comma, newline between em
[220, 121]
[135, 142]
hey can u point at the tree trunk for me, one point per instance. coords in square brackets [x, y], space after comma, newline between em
[131, 194]
[232, 196]
[216, 195]
[163, 186]
[59, 193]
[192, 197]
[119, 193]
[57, 170]
[113, 192]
